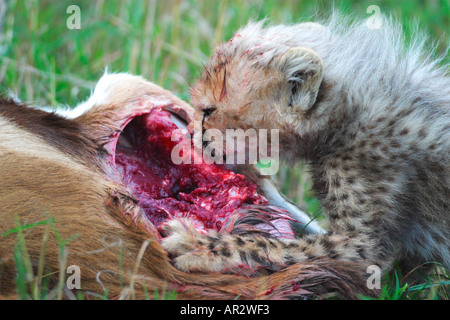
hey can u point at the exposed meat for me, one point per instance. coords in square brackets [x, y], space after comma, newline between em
[207, 193]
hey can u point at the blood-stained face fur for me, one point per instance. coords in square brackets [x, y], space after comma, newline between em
[60, 184]
[259, 82]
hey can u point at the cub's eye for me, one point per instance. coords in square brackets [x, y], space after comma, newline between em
[208, 111]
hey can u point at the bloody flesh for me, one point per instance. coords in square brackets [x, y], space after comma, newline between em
[206, 193]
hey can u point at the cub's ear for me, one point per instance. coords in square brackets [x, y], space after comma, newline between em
[302, 71]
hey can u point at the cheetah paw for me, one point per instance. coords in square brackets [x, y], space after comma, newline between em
[192, 248]
[181, 236]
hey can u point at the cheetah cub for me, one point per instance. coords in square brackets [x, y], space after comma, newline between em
[371, 119]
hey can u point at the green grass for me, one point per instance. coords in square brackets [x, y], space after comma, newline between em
[33, 283]
[45, 63]
[434, 286]
[165, 41]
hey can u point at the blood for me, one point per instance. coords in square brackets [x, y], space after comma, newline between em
[295, 286]
[206, 193]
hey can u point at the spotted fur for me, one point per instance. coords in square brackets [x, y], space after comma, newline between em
[370, 115]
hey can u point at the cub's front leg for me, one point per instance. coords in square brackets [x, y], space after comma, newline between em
[222, 252]
[213, 251]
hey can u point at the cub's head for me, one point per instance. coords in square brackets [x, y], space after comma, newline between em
[263, 78]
